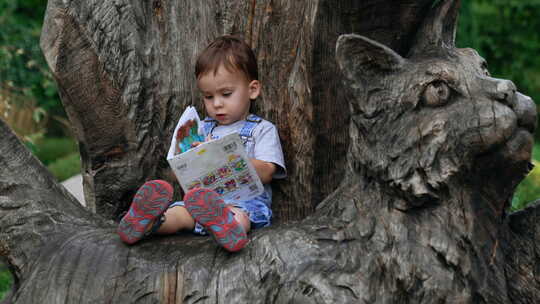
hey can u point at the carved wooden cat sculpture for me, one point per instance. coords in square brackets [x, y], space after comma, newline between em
[437, 149]
[421, 121]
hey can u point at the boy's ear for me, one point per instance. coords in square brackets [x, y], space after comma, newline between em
[254, 89]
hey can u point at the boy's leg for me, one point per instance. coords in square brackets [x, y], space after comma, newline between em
[242, 218]
[149, 204]
[208, 209]
[176, 218]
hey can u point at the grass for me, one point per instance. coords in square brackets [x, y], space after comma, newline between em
[60, 155]
[66, 166]
[50, 149]
[5, 280]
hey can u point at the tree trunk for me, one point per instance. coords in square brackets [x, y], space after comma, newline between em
[414, 148]
[125, 73]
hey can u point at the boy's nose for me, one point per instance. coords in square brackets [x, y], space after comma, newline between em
[218, 102]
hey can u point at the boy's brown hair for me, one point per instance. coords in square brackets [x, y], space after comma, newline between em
[230, 51]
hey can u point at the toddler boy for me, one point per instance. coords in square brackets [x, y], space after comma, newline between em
[227, 77]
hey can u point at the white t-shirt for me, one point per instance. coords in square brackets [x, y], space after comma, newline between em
[263, 145]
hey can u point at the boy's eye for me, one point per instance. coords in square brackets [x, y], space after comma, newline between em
[227, 94]
[207, 96]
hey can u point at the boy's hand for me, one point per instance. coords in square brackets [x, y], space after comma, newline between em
[197, 143]
[265, 170]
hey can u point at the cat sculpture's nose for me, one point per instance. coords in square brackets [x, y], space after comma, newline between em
[500, 89]
[505, 92]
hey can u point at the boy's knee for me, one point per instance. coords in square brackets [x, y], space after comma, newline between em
[177, 218]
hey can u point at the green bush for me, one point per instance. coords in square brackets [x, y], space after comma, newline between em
[48, 150]
[22, 65]
[65, 167]
[529, 189]
[5, 281]
[60, 155]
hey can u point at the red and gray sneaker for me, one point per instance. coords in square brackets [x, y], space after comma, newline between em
[208, 209]
[146, 210]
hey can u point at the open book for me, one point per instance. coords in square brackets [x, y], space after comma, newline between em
[221, 165]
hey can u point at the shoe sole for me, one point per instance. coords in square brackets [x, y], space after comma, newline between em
[207, 208]
[149, 203]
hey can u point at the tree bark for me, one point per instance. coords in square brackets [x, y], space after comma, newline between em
[521, 250]
[414, 149]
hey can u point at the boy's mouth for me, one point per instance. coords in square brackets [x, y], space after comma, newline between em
[220, 116]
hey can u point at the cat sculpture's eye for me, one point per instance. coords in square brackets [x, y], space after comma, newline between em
[436, 94]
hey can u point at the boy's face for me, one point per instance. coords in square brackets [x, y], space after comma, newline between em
[227, 95]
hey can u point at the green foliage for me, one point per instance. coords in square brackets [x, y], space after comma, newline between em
[66, 167]
[5, 280]
[48, 150]
[529, 189]
[536, 152]
[60, 155]
[23, 70]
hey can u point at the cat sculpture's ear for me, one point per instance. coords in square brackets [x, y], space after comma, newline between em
[361, 58]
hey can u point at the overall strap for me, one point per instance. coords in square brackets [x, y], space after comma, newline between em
[251, 122]
[209, 125]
